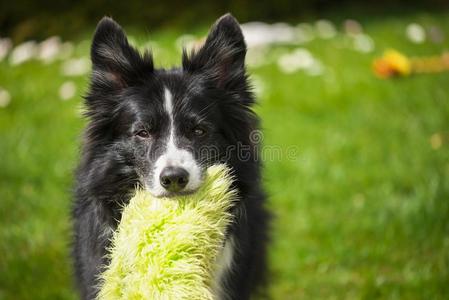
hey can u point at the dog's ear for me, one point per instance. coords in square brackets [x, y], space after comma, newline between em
[116, 64]
[222, 56]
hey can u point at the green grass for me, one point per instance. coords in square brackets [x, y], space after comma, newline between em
[362, 204]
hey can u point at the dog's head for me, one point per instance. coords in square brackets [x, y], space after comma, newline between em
[164, 127]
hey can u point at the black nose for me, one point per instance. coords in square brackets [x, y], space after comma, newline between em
[174, 179]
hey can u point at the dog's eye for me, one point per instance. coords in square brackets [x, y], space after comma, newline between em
[144, 134]
[199, 131]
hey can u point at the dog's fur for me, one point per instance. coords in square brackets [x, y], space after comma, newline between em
[142, 119]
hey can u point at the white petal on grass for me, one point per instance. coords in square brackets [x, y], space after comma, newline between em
[67, 90]
[5, 47]
[283, 33]
[288, 63]
[5, 98]
[75, 66]
[352, 27]
[304, 57]
[257, 34]
[23, 52]
[262, 34]
[300, 59]
[49, 49]
[363, 43]
[325, 29]
[415, 33]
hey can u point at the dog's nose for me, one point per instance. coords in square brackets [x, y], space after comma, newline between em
[174, 179]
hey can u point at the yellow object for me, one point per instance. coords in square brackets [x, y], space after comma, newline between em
[166, 248]
[392, 63]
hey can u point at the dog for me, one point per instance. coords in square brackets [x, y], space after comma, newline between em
[159, 129]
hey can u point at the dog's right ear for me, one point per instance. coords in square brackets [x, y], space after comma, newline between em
[115, 63]
[222, 56]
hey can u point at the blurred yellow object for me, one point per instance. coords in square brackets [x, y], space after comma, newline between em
[392, 63]
[433, 64]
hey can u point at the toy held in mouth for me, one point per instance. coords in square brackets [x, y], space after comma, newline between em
[166, 248]
[396, 64]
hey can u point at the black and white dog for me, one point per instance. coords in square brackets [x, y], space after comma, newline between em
[160, 129]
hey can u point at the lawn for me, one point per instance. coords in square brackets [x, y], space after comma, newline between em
[360, 190]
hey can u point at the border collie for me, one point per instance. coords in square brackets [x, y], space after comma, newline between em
[160, 129]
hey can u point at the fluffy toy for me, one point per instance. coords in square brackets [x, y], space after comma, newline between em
[166, 248]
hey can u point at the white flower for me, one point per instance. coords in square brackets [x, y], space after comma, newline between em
[283, 33]
[300, 59]
[75, 67]
[261, 34]
[23, 52]
[49, 49]
[325, 29]
[288, 63]
[67, 90]
[352, 27]
[363, 43]
[415, 33]
[257, 34]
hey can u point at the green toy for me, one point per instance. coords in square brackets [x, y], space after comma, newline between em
[166, 248]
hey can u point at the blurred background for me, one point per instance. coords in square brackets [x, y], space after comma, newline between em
[361, 192]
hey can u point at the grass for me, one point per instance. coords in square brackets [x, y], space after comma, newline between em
[362, 200]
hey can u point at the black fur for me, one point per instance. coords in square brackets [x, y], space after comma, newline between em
[125, 96]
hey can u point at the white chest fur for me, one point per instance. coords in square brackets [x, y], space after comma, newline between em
[224, 265]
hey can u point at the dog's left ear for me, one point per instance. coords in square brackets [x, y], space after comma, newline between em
[222, 56]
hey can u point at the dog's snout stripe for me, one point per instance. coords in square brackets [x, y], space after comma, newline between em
[175, 156]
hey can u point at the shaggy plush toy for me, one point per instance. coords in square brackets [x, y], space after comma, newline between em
[166, 248]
